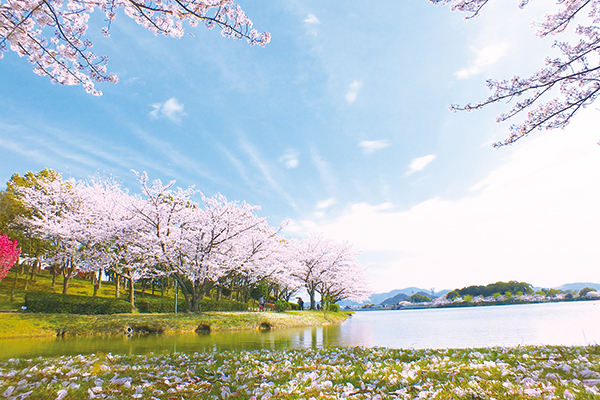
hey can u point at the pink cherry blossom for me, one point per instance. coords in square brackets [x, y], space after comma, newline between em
[66, 58]
[571, 81]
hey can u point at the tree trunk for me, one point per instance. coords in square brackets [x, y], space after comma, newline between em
[36, 267]
[132, 294]
[117, 285]
[311, 293]
[144, 284]
[12, 291]
[54, 273]
[66, 279]
[67, 272]
[26, 272]
[186, 292]
[65, 284]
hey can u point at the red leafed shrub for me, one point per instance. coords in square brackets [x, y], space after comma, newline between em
[9, 254]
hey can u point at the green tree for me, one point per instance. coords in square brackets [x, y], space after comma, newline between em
[583, 292]
[419, 298]
[452, 295]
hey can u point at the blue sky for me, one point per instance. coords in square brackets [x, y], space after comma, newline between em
[341, 125]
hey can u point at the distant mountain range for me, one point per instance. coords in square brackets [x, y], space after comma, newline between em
[394, 296]
[400, 294]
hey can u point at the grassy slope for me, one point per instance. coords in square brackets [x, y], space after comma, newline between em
[43, 283]
[39, 325]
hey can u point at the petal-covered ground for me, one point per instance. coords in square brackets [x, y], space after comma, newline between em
[338, 373]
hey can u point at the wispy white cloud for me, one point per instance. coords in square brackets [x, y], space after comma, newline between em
[176, 157]
[171, 109]
[370, 146]
[419, 164]
[311, 20]
[353, 91]
[77, 152]
[264, 168]
[324, 204]
[485, 57]
[324, 169]
[290, 159]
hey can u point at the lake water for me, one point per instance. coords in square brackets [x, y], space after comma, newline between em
[569, 323]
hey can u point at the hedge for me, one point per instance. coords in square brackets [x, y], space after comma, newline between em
[222, 305]
[71, 304]
[282, 305]
[159, 304]
[167, 305]
[57, 303]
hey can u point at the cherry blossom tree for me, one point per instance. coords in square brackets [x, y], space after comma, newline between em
[565, 85]
[11, 210]
[196, 245]
[9, 254]
[51, 33]
[60, 215]
[218, 243]
[329, 268]
[113, 228]
[344, 278]
[265, 257]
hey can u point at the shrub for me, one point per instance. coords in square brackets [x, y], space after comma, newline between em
[334, 307]
[282, 305]
[159, 304]
[69, 304]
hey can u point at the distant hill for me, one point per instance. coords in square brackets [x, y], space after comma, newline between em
[403, 296]
[397, 295]
[395, 299]
[380, 298]
[578, 286]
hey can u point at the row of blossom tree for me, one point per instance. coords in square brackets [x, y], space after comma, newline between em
[96, 225]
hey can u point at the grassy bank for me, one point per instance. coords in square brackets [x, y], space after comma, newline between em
[13, 325]
[356, 373]
[22, 324]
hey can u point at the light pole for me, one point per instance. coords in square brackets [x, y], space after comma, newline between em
[176, 294]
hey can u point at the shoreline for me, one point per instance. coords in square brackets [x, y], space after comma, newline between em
[30, 325]
[467, 305]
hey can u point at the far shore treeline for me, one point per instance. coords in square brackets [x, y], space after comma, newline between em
[164, 236]
[499, 293]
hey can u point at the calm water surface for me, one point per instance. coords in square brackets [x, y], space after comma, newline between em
[574, 323]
